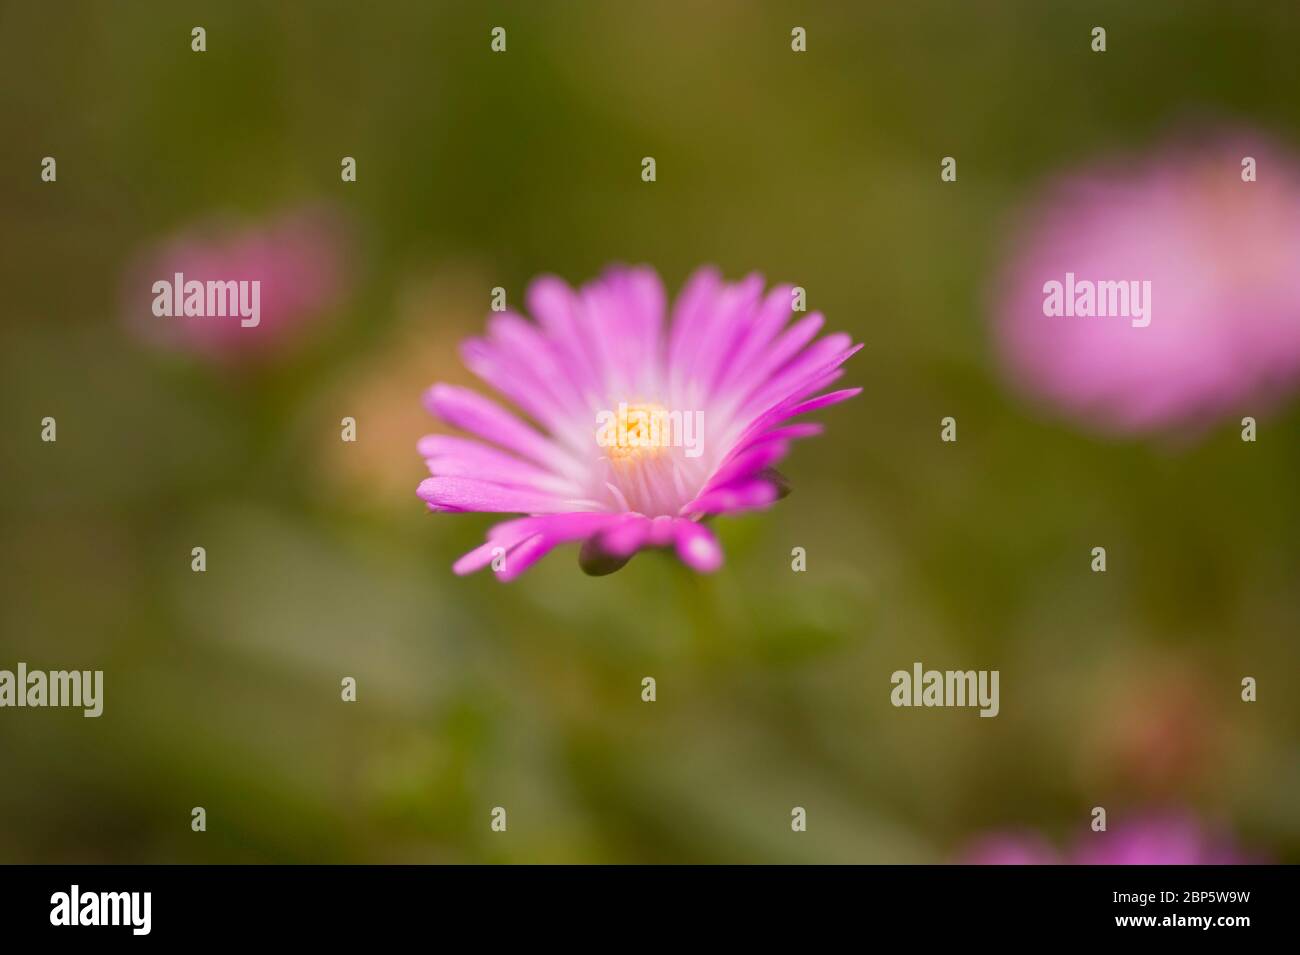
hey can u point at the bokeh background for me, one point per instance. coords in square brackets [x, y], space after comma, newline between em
[477, 170]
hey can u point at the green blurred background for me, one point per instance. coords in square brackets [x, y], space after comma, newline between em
[477, 170]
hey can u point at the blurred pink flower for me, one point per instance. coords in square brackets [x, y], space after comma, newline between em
[298, 257]
[1175, 839]
[1172, 838]
[1222, 332]
[617, 383]
[1010, 849]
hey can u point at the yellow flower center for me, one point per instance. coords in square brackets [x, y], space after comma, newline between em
[639, 430]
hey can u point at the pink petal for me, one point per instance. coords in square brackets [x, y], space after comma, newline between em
[515, 378]
[474, 413]
[770, 317]
[816, 361]
[540, 534]
[742, 495]
[785, 410]
[452, 456]
[552, 368]
[789, 432]
[504, 536]
[750, 462]
[556, 308]
[468, 494]
[717, 342]
[697, 547]
[627, 536]
[760, 370]
[623, 315]
[548, 533]
[697, 300]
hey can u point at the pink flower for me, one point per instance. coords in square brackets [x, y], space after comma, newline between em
[1176, 839]
[297, 259]
[1010, 849]
[1214, 258]
[1173, 838]
[649, 423]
